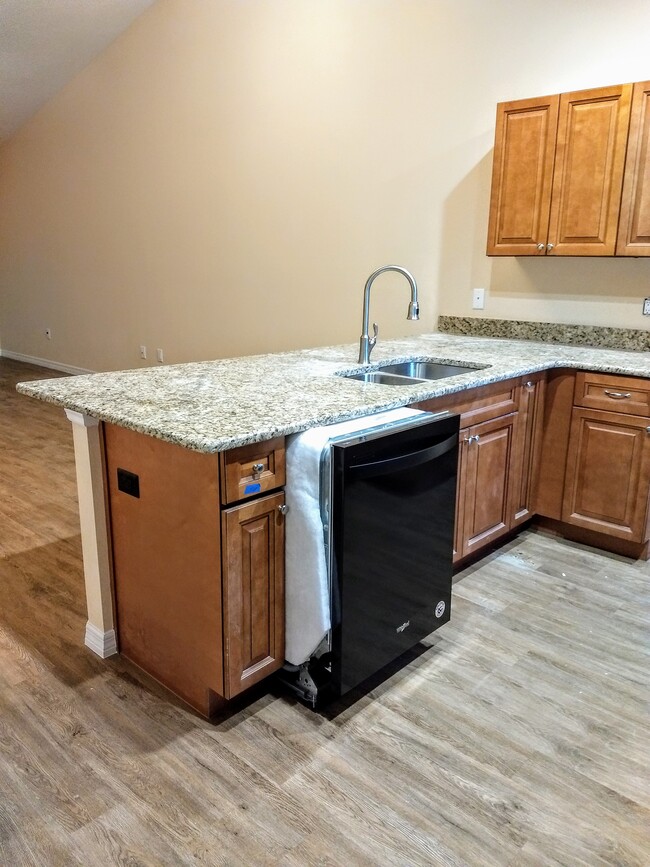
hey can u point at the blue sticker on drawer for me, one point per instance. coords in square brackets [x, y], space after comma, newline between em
[253, 489]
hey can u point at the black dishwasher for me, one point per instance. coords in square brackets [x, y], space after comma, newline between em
[389, 513]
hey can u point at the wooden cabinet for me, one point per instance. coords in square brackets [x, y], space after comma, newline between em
[607, 482]
[250, 470]
[608, 474]
[199, 593]
[528, 443]
[558, 174]
[484, 476]
[612, 392]
[522, 176]
[253, 592]
[500, 438]
[634, 227]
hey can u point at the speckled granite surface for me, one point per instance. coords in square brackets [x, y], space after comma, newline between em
[215, 405]
[633, 339]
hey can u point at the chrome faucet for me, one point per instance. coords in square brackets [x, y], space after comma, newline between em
[367, 342]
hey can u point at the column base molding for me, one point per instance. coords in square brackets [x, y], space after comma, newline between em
[102, 643]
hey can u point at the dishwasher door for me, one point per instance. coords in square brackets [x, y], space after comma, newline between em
[392, 503]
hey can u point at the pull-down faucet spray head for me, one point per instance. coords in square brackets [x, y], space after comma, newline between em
[367, 342]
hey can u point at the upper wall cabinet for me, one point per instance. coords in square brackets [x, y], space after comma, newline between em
[634, 228]
[557, 179]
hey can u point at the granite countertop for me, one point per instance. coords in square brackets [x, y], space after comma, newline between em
[211, 406]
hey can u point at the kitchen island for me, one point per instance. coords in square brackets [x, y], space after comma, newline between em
[197, 427]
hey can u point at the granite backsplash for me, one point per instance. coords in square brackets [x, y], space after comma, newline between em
[548, 332]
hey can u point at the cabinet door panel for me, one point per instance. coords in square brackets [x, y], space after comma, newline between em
[588, 175]
[634, 228]
[487, 509]
[528, 443]
[253, 592]
[608, 474]
[522, 173]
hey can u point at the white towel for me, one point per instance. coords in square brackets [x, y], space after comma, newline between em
[306, 587]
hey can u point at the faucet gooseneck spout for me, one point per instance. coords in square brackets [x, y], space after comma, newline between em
[367, 342]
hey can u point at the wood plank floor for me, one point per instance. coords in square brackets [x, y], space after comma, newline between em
[519, 736]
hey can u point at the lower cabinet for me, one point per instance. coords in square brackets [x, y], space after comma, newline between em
[485, 468]
[253, 591]
[608, 474]
[498, 457]
[199, 590]
[595, 483]
[528, 443]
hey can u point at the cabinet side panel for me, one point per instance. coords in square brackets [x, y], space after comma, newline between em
[634, 228]
[166, 549]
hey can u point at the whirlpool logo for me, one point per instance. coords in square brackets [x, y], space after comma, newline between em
[403, 626]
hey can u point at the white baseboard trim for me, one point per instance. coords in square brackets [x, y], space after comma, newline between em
[102, 643]
[43, 362]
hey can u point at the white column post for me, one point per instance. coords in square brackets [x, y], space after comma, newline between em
[95, 541]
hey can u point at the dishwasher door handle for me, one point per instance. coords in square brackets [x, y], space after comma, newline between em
[404, 462]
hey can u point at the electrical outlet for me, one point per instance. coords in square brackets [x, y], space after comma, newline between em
[143, 352]
[48, 333]
[478, 299]
[159, 356]
[646, 306]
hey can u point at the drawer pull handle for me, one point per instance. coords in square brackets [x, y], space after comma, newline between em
[618, 395]
[258, 469]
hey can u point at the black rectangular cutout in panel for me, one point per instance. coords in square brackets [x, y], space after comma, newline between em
[128, 482]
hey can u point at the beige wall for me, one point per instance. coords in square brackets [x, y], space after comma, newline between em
[225, 176]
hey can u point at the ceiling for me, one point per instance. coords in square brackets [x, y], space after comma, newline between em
[44, 43]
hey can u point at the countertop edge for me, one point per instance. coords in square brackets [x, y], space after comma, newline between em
[376, 403]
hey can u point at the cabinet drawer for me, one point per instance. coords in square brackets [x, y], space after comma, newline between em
[250, 470]
[479, 404]
[613, 393]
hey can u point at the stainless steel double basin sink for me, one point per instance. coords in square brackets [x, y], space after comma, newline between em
[413, 372]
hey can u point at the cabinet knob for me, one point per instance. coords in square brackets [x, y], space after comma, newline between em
[282, 509]
[549, 247]
[541, 247]
[474, 438]
[530, 384]
[257, 469]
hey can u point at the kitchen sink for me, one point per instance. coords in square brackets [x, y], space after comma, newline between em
[426, 369]
[383, 378]
[412, 372]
